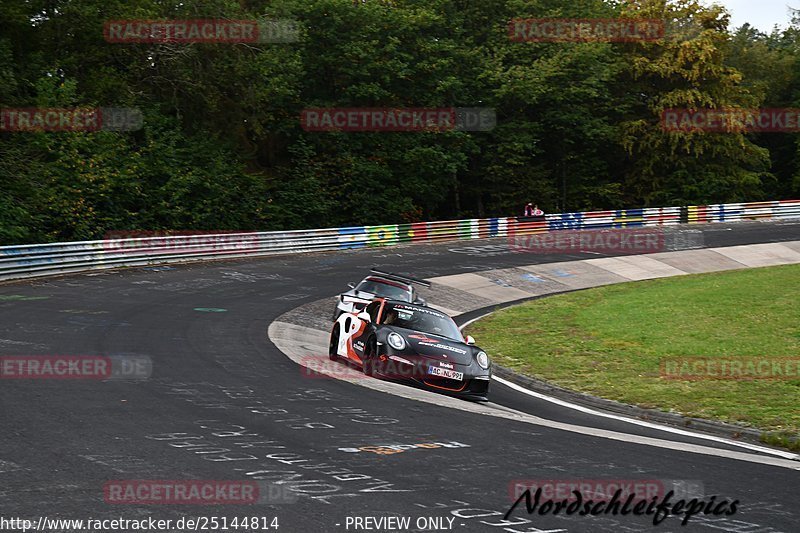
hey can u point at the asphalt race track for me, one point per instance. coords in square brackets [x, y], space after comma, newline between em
[224, 404]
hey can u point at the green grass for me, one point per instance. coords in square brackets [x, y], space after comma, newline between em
[610, 341]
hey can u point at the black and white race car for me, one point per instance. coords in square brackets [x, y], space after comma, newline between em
[379, 285]
[400, 340]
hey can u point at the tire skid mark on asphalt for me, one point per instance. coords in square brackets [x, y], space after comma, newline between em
[121, 463]
[11, 342]
[9, 466]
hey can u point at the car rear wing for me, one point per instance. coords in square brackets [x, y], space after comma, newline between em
[398, 277]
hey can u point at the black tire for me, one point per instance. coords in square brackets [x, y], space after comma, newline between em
[368, 365]
[334, 343]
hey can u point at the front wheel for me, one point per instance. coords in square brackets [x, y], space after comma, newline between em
[334, 345]
[370, 354]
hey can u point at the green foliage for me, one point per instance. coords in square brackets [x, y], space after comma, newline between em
[222, 147]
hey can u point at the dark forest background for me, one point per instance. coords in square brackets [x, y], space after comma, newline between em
[222, 147]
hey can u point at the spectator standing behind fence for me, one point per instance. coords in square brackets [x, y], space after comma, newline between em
[528, 210]
[532, 210]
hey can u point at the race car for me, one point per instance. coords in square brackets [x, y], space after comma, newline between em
[381, 284]
[405, 341]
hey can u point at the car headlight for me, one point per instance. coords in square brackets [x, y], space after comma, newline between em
[483, 360]
[396, 341]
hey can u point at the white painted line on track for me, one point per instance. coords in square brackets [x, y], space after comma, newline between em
[668, 429]
[642, 423]
[297, 342]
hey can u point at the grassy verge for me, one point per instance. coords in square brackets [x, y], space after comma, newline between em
[610, 342]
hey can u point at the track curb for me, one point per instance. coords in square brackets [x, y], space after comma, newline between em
[711, 427]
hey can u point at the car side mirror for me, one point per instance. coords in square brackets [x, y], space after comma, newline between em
[470, 340]
[420, 301]
[363, 315]
[351, 285]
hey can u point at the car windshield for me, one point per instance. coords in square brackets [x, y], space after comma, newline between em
[423, 320]
[385, 290]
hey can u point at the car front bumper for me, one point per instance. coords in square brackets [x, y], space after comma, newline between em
[473, 385]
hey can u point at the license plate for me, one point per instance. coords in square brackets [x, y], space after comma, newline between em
[445, 373]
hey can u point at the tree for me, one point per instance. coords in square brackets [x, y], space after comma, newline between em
[695, 167]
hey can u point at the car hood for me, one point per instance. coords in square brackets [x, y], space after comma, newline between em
[435, 347]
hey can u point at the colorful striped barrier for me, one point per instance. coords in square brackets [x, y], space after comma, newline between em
[26, 261]
[776, 209]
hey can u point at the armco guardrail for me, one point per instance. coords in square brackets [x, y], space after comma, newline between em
[736, 212]
[18, 262]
